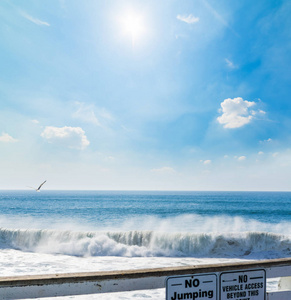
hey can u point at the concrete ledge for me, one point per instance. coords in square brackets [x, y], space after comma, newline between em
[35, 286]
[140, 273]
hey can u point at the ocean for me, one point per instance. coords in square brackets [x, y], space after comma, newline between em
[79, 231]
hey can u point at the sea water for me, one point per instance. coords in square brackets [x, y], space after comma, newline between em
[78, 231]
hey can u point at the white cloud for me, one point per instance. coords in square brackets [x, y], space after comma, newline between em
[188, 19]
[218, 16]
[236, 112]
[6, 138]
[242, 158]
[34, 20]
[72, 137]
[230, 64]
[260, 152]
[86, 113]
[164, 170]
[91, 114]
[207, 162]
[269, 140]
[261, 112]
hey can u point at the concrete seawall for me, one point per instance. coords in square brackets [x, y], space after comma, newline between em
[36, 286]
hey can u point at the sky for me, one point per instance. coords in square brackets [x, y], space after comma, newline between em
[145, 95]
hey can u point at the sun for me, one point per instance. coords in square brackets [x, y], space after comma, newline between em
[133, 25]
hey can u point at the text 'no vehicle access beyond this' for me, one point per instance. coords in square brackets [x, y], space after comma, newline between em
[235, 285]
[244, 285]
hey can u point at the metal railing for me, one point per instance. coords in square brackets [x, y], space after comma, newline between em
[23, 287]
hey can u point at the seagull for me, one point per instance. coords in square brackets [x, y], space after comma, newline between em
[39, 186]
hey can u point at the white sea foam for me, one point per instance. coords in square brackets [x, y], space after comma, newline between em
[15, 262]
[147, 243]
[183, 223]
[35, 246]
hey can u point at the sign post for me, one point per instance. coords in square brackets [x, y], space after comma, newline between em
[202, 286]
[243, 285]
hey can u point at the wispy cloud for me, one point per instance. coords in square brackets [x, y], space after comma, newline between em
[86, 114]
[6, 138]
[91, 114]
[206, 162]
[219, 17]
[190, 19]
[164, 170]
[34, 20]
[237, 113]
[269, 140]
[242, 158]
[275, 154]
[230, 64]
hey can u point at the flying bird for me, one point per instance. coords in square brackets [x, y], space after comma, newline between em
[39, 186]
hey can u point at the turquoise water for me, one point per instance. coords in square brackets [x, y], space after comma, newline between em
[83, 231]
[104, 208]
[147, 224]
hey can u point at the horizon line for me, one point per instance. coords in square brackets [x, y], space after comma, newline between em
[148, 190]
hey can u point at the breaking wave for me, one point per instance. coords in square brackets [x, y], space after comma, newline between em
[147, 243]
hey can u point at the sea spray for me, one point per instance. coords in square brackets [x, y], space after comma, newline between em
[147, 243]
[93, 231]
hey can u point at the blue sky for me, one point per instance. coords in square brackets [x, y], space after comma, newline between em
[145, 95]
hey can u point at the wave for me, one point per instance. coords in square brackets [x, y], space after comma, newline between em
[147, 243]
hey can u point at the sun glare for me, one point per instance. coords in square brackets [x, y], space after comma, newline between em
[133, 25]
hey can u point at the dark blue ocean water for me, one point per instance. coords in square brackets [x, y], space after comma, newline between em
[196, 224]
[113, 207]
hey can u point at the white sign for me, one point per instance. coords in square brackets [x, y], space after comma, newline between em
[243, 285]
[195, 287]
